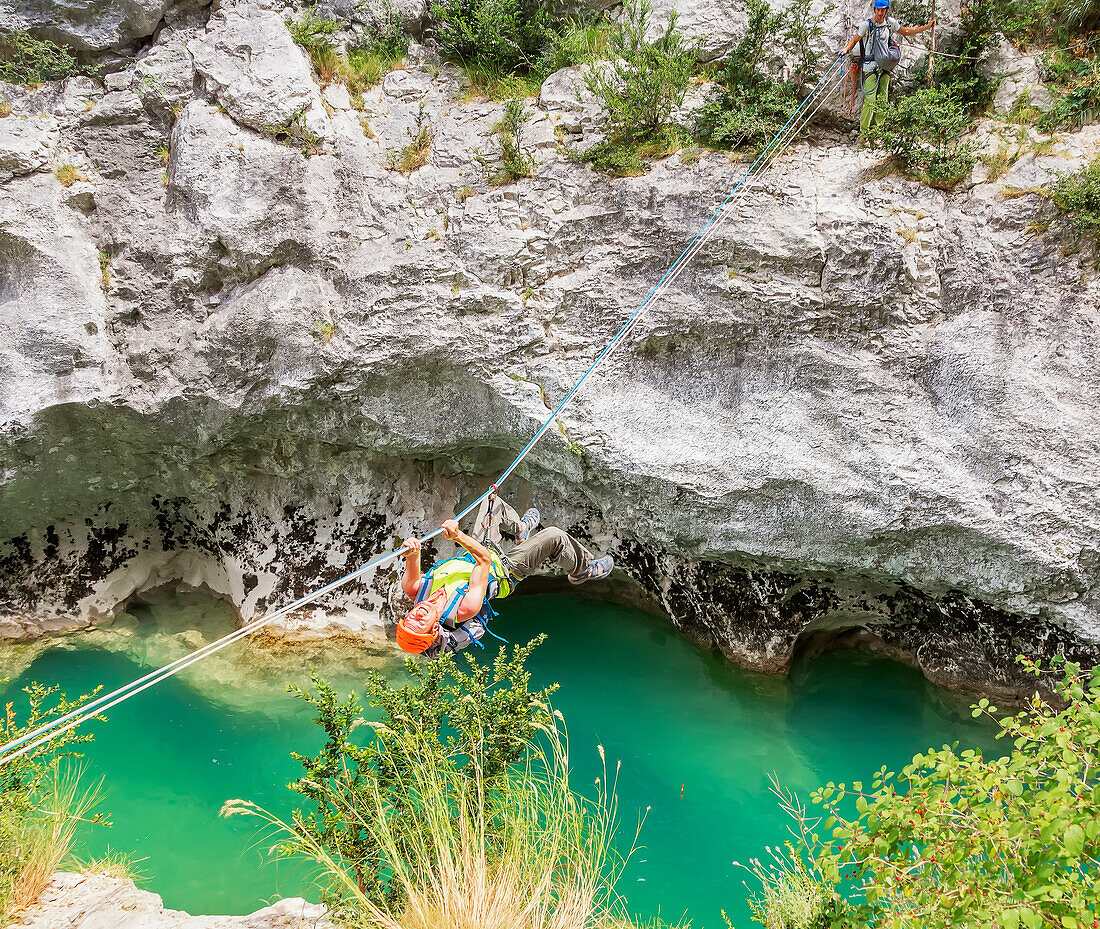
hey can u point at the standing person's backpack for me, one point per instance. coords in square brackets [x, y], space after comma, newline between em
[884, 52]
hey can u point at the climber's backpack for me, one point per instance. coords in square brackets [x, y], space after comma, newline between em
[878, 54]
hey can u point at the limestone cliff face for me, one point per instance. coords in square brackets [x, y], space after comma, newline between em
[869, 408]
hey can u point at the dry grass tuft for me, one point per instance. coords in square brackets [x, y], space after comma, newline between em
[523, 851]
[119, 865]
[69, 175]
[47, 840]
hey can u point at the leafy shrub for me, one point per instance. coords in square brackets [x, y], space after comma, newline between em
[747, 108]
[801, 25]
[512, 162]
[639, 88]
[958, 839]
[1011, 841]
[744, 112]
[40, 803]
[1078, 194]
[925, 131]
[505, 35]
[645, 80]
[1078, 91]
[460, 724]
[27, 60]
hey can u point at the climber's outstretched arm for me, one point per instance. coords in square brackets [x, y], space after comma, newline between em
[472, 602]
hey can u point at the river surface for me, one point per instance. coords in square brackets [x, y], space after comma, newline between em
[697, 739]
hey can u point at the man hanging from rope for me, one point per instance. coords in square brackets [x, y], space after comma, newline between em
[451, 604]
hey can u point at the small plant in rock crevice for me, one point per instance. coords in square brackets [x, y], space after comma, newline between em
[69, 174]
[325, 331]
[414, 155]
[511, 162]
[296, 134]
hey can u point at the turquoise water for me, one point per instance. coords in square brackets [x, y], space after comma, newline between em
[697, 739]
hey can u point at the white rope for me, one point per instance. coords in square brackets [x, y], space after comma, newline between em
[29, 741]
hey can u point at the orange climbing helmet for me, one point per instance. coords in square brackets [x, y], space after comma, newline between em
[418, 629]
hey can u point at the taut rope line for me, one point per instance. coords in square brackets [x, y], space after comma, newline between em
[797, 121]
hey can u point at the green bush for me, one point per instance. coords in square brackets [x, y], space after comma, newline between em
[747, 108]
[462, 721]
[1078, 194]
[1060, 20]
[507, 35]
[957, 839]
[925, 131]
[512, 161]
[801, 25]
[639, 88]
[1077, 91]
[27, 60]
[747, 113]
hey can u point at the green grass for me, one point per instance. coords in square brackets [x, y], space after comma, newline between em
[489, 81]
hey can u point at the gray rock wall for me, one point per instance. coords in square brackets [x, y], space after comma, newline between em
[228, 361]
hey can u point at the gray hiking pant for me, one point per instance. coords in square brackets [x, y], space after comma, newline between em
[550, 544]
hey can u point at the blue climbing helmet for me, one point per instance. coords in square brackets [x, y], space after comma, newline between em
[882, 4]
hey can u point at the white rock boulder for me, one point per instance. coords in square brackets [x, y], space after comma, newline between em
[261, 77]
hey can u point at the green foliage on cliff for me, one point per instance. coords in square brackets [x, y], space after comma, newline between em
[27, 60]
[509, 47]
[957, 839]
[376, 51]
[1078, 195]
[926, 131]
[511, 162]
[747, 108]
[640, 86]
[506, 35]
[40, 803]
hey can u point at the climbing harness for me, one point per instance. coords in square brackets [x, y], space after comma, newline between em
[798, 120]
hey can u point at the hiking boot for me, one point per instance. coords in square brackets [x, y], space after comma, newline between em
[597, 569]
[530, 521]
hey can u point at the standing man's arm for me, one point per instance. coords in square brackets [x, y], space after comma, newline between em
[851, 44]
[474, 599]
[917, 30]
[410, 580]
